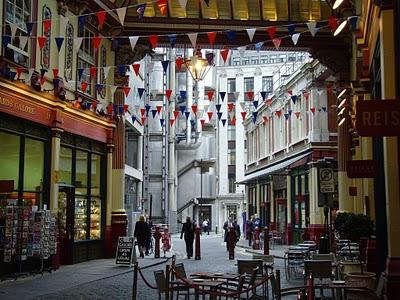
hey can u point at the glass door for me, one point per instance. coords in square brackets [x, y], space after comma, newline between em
[66, 209]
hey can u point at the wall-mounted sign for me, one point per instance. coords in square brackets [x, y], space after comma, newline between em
[326, 180]
[361, 168]
[378, 118]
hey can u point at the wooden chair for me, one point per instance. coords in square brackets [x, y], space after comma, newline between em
[235, 286]
[277, 292]
[294, 261]
[268, 261]
[161, 283]
[320, 269]
[247, 266]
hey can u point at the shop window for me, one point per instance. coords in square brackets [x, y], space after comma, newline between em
[46, 49]
[80, 219]
[9, 158]
[65, 165]
[231, 85]
[18, 12]
[248, 84]
[95, 172]
[95, 218]
[69, 51]
[299, 214]
[81, 172]
[33, 165]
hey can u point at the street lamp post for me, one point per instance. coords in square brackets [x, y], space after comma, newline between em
[201, 191]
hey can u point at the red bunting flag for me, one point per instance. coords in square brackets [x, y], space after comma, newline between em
[162, 6]
[211, 37]
[271, 32]
[94, 105]
[142, 111]
[277, 43]
[96, 40]
[110, 109]
[290, 92]
[153, 39]
[210, 115]
[307, 95]
[168, 94]
[55, 73]
[278, 113]
[43, 80]
[171, 122]
[92, 72]
[176, 114]
[265, 119]
[233, 121]
[297, 113]
[42, 41]
[46, 25]
[126, 89]
[19, 71]
[136, 68]
[231, 106]
[126, 107]
[268, 102]
[312, 109]
[143, 119]
[194, 108]
[243, 113]
[224, 54]
[202, 121]
[101, 15]
[158, 107]
[250, 95]
[179, 62]
[210, 95]
[332, 21]
[84, 86]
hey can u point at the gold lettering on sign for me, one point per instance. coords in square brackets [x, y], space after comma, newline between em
[17, 105]
[381, 118]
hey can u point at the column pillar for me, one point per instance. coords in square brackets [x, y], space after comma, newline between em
[109, 196]
[345, 202]
[390, 155]
[289, 210]
[55, 167]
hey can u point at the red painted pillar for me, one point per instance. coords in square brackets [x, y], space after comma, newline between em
[157, 237]
[231, 242]
[266, 241]
[197, 255]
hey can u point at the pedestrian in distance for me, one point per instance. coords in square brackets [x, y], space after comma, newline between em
[141, 234]
[205, 227]
[250, 229]
[188, 233]
[237, 230]
[149, 223]
[227, 225]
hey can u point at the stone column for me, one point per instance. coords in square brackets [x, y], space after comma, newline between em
[289, 210]
[55, 167]
[109, 196]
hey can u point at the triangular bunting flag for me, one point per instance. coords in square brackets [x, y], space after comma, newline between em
[312, 27]
[294, 98]
[258, 46]
[255, 113]
[82, 21]
[263, 95]
[210, 95]
[312, 109]
[168, 94]
[143, 119]
[43, 72]
[231, 36]
[182, 108]
[241, 50]
[140, 91]
[224, 54]
[223, 122]
[219, 114]
[243, 113]
[295, 38]
[287, 116]
[183, 3]
[121, 12]
[154, 112]
[255, 103]
[147, 107]
[242, 106]
[142, 111]
[193, 38]
[222, 95]
[297, 113]
[289, 112]
[55, 73]
[126, 89]
[236, 95]
[182, 94]
[271, 32]
[6, 40]
[231, 106]
[158, 107]
[153, 39]
[92, 72]
[233, 121]
[162, 121]
[136, 68]
[77, 43]
[194, 108]
[250, 33]
[101, 16]
[84, 86]
[176, 114]
[187, 114]
[250, 95]
[323, 108]
[80, 72]
[278, 113]
[210, 115]
[218, 107]
[46, 25]
[41, 41]
[23, 40]
[133, 40]
[202, 121]
[171, 122]
[19, 71]
[106, 71]
[290, 92]
[59, 42]
[333, 22]
[133, 119]
[265, 119]
[29, 27]
[211, 37]
[98, 87]
[292, 29]
[162, 6]
[306, 95]
[122, 70]
[277, 43]
[165, 64]
[353, 22]
[113, 88]
[141, 8]
[172, 39]
[126, 107]
[179, 62]
[13, 28]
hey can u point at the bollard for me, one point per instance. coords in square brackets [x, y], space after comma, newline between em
[231, 242]
[216, 229]
[157, 237]
[135, 277]
[266, 241]
[256, 242]
[197, 255]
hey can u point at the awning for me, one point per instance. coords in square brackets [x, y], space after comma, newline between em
[271, 169]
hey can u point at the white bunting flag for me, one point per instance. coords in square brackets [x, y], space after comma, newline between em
[113, 88]
[13, 28]
[30, 73]
[183, 3]
[312, 26]
[195, 94]
[243, 106]
[77, 43]
[236, 95]
[320, 92]
[106, 71]
[63, 23]
[206, 106]
[121, 12]
[241, 50]
[193, 38]
[23, 40]
[251, 32]
[133, 40]
[295, 38]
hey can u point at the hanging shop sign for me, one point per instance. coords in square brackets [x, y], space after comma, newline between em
[125, 250]
[361, 168]
[326, 180]
[378, 118]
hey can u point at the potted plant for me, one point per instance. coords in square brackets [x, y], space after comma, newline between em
[351, 226]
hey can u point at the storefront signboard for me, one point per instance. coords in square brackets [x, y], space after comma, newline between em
[361, 168]
[326, 180]
[125, 251]
[378, 118]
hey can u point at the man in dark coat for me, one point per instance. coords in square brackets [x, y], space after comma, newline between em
[227, 225]
[188, 232]
[141, 234]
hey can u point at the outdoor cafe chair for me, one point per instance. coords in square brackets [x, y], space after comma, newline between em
[294, 261]
[247, 266]
[232, 287]
[268, 261]
[319, 269]
[161, 284]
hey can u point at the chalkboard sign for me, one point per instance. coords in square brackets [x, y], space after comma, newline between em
[125, 250]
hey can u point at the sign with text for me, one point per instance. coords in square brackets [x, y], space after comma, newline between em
[378, 118]
[125, 250]
[361, 168]
[326, 180]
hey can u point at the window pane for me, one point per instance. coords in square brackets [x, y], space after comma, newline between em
[95, 175]
[80, 219]
[9, 158]
[81, 172]
[65, 165]
[33, 165]
[95, 219]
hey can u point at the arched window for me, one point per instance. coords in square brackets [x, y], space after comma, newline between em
[69, 51]
[46, 15]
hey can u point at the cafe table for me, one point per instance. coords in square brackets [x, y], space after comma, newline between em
[204, 283]
[340, 286]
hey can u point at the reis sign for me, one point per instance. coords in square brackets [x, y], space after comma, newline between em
[378, 118]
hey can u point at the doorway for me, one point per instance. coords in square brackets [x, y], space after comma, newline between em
[66, 224]
[205, 214]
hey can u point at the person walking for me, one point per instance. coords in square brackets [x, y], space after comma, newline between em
[237, 230]
[141, 234]
[250, 229]
[149, 224]
[227, 225]
[188, 232]
[205, 227]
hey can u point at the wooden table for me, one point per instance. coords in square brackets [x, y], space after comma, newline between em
[212, 284]
[227, 276]
[341, 287]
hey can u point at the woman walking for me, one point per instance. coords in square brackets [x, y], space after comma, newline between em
[141, 234]
[188, 231]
